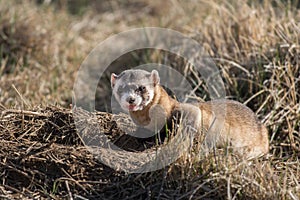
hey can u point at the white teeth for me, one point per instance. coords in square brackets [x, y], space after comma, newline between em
[124, 101]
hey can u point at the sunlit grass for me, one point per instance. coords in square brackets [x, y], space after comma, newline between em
[255, 46]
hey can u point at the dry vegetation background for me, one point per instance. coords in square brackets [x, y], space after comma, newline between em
[255, 45]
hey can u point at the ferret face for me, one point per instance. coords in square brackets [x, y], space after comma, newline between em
[134, 89]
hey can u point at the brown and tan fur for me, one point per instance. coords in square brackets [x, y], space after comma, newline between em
[225, 122]
[142, 117]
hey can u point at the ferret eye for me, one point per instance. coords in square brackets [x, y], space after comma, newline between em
[142, 88]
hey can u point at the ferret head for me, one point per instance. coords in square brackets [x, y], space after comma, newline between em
[134, 89]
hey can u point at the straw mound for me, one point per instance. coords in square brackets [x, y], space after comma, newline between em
[41, 153]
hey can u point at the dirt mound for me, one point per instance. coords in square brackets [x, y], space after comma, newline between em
[43, 156]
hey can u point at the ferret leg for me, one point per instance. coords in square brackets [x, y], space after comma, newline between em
[158, 118]
[190, 121]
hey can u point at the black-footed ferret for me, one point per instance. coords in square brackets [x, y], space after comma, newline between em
[149, 106]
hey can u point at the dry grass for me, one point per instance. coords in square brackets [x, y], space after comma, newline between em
[255, 45]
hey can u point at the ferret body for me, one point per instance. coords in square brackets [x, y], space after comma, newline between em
[225, 122]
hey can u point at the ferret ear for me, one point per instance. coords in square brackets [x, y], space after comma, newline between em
[113, 79]
[155, 77]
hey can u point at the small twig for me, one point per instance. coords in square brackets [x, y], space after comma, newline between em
[22, 112]
[254, 96]
[235, 64]
[13, 189]
[2, 107]
[22, 98]
[163, 182]
[80, 197]
[72, 179]
[30, 148]
[228, 189]
[68, 189]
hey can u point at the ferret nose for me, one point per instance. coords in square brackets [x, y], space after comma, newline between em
[130, 100]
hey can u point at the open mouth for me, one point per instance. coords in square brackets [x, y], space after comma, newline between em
[131, 107]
